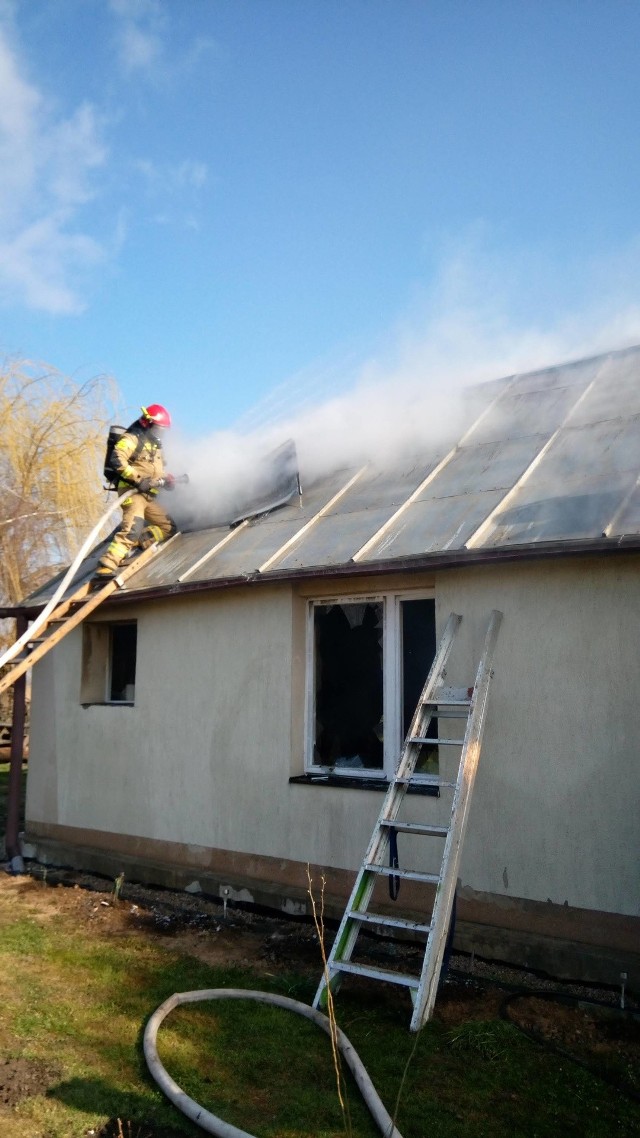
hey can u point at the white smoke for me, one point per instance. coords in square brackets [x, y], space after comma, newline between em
[412, 397]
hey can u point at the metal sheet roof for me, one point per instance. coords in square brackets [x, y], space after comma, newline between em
[550, 456]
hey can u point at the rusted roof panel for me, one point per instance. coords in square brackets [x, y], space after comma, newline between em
[616, 393]
[333, 540]
[248, 547]
[490, 466]
[178, 557]
[576, 374]
[586, 475]
[519, 414]
[437, 524]
[387, 489]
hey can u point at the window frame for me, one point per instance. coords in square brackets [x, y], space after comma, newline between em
[97, 663]
[392, 679]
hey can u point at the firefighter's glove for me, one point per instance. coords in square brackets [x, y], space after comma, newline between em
[147, 484]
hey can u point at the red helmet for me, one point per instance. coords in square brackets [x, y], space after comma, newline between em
[155, 415]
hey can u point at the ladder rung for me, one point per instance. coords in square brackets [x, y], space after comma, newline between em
[406, 874]
[390, 922]
[446, 703]
[451, 714]
[416, 828]
[422, 780]
[437, 742]
[376, 973]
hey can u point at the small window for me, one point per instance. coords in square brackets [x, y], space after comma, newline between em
[122, 663]
[108, 662]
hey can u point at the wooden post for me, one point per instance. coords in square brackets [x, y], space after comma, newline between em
[12, 837]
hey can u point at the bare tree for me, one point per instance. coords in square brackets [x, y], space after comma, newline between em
[52, 442]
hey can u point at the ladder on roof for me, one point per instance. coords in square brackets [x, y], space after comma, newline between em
[436, 701]
[67, 615]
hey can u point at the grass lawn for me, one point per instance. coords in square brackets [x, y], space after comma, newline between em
[80, 973]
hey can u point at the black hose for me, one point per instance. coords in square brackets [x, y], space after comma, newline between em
[515, 994]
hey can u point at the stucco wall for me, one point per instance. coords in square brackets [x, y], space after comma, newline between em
[205, 755]
[554, 814]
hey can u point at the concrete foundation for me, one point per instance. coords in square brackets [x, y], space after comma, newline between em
[571, 944]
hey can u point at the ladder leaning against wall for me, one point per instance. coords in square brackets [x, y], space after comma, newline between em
[436, 701]
[63, 618]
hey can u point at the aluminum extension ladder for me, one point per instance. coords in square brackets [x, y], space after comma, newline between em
[67, 615]
[444, 703]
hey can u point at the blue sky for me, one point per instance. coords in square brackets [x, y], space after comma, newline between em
[230, 205]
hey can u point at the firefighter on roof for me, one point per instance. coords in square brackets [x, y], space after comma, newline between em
[138, 463]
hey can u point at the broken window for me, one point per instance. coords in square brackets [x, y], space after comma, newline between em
[348, 686]
[369, 661]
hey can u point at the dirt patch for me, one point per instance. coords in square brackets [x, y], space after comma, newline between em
[192, 925]
[24, 1078]
[117, 1128]
[601, 1039]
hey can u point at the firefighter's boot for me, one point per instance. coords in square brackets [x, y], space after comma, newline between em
[150, 535]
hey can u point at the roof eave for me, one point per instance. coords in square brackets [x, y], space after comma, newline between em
[446, 559]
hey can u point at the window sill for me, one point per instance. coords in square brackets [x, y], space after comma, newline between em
[108, 703]
[349, 783]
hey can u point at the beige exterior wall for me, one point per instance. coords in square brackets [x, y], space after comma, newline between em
[204, 757]
[554, 815]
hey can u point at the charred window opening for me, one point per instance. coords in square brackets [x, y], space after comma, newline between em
[368, 662]
[349, 686]
[418, 627]
[122, 663]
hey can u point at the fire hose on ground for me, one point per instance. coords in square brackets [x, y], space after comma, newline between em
[211, 1123]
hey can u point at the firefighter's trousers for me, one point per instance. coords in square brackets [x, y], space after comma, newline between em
[143, 522]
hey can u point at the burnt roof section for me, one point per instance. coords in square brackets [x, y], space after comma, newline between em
[550, 462]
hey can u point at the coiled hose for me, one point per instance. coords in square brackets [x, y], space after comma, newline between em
[211, 1123]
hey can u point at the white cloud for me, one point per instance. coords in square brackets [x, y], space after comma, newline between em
[20, 106]
[173, 178]
[48, 162]
[176, 186]
[191, 174]
[139, 39]
[74, 149]
[39, 262]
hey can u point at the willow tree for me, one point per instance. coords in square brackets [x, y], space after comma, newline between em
[52, 441]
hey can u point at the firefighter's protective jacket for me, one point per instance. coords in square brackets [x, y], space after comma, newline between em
[138, 455]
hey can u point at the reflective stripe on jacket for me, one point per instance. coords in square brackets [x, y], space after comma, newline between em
[147, 463]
